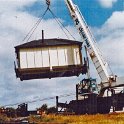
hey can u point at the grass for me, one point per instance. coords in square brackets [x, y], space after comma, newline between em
[114, 118]
[3, 118]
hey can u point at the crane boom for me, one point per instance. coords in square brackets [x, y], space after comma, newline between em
[101, 65]
[108, 80]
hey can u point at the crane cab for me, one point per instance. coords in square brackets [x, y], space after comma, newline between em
[87, 86]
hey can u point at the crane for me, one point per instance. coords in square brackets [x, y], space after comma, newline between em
[93, 102]
[108, 79]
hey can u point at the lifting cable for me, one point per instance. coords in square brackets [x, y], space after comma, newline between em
[44, 99]
[30, 33]
[28, 36]
[61, 25]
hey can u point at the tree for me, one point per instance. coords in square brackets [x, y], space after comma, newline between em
[44, 107]
[51, 110]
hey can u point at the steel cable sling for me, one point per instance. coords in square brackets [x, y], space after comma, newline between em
[32, 30]
[58, 22]
[61, 25]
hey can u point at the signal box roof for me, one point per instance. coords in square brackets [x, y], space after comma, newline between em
[48, 42]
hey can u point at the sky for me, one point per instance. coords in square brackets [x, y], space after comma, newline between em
[104, 17]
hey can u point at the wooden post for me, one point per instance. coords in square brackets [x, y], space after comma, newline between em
[76, 91]
[57, 104]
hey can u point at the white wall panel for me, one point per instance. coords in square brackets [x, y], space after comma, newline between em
[77, 60]
[38, 58]
[48, 57]
[53, 56]
[78, 56]
[61, 56]
[45, 57]
[69, 55]
[23, 60]
[30, 59]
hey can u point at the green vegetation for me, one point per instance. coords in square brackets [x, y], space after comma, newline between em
[46, 109]
[114, 118]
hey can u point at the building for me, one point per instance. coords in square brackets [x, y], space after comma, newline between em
[49, 58]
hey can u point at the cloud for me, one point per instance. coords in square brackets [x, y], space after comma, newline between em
[115, 22]
[107, 3]
[111, 41]
[7, 5]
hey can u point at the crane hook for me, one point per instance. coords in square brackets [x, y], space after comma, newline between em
[48, 3]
